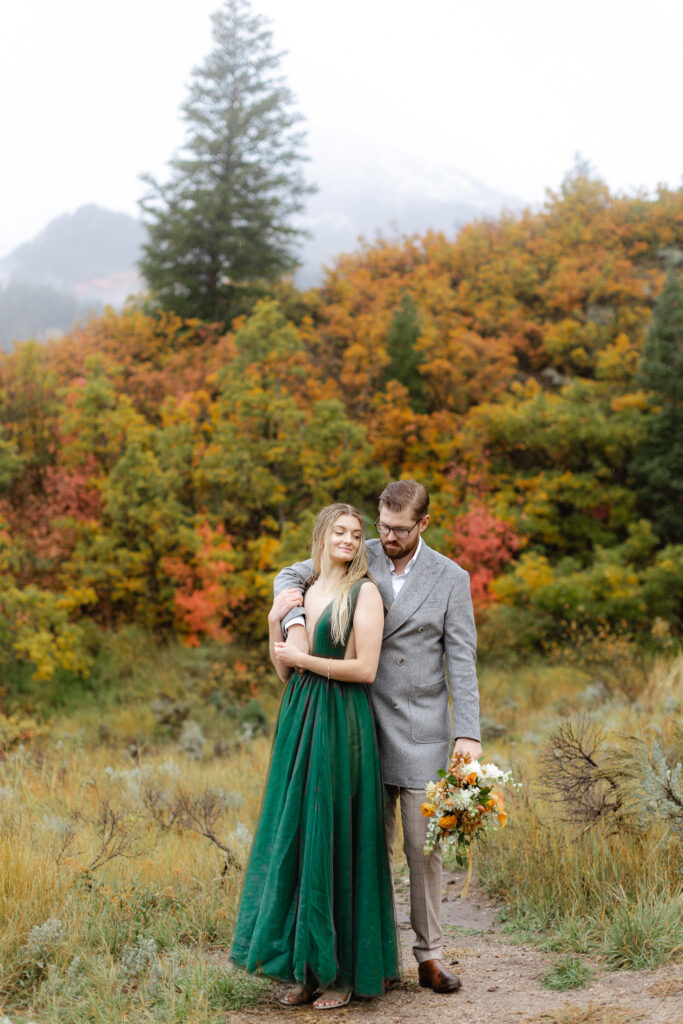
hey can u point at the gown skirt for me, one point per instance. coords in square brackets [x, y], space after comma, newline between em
[317, 902]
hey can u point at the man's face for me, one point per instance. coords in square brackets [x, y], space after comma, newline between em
[401, 546]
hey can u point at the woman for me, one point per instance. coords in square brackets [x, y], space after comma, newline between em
[317, 905]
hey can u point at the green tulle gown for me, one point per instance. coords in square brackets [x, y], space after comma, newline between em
[317, 903]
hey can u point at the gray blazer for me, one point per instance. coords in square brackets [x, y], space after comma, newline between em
[429, 642]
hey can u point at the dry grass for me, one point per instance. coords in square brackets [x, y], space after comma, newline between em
[593, 1014]
[70, 932]
[606, 889]
[663, 988]
[138, 930]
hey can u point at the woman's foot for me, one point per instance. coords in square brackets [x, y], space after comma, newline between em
[332, 999]
[298, 995]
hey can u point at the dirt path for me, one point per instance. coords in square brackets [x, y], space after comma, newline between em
[501, 982]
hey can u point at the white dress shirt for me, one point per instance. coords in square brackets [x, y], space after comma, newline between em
[397, 580]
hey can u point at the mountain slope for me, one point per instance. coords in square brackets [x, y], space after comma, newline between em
[87, 245]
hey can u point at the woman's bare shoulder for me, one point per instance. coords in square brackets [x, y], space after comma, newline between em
[369, 593]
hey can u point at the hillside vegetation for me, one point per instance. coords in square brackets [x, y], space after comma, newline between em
[158, 471]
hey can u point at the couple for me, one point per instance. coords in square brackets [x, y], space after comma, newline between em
[317, 904]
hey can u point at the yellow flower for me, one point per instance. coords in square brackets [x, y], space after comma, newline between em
[427, 810]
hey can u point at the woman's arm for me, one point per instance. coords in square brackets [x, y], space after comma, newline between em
[283, 603]
[368, 624]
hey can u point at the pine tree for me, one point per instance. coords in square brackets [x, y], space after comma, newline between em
[403, 335]
[222, 224]
[658, 462]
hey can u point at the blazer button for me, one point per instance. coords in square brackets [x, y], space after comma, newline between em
[421, 629]
[395, 706]
[400, 661]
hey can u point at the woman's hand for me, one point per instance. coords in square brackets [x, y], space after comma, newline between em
[287, 599]
[287, 653]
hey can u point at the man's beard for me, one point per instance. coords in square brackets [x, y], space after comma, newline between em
[399, 549]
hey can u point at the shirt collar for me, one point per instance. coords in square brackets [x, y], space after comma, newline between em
[410, 564]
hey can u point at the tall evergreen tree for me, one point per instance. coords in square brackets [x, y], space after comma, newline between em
[403, 335]
[223, 221]
[658, 462]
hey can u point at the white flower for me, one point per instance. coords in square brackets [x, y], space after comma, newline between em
[431, 790]
[461, 799]
[490, 772]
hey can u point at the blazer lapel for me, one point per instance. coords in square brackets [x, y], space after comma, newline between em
[417, 587]
[381, 574]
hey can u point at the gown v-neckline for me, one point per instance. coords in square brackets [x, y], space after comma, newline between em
[313, 633]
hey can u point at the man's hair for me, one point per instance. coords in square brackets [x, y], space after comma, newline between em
[400, 494]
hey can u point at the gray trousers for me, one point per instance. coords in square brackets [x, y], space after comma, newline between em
[425, 871]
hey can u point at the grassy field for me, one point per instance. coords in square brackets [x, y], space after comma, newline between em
[592, 860]
[127, 807]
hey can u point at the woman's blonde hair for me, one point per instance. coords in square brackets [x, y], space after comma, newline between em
[356, 570]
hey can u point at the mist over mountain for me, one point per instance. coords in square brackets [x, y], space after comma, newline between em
[83, 260]
[38, 311]
[77, 248]
[366, 189]
[75, 266]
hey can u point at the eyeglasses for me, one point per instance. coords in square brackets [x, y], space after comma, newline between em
[399, 532]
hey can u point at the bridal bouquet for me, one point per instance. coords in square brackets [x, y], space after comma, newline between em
[464, 805]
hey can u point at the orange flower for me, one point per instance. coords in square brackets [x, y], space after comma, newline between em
[427, 810]
[471, 778]
[448, 822]
[502, 819]
[496, 801]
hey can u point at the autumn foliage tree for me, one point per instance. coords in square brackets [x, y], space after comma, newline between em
[484, 545]
[157, 468]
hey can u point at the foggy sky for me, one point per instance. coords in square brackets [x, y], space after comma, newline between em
[507, 92]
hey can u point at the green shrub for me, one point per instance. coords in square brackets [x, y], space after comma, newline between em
[646, 933]
[569, 972]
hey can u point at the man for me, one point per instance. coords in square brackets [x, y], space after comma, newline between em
[429, 621]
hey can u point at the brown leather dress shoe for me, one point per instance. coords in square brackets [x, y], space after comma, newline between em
[432, 974]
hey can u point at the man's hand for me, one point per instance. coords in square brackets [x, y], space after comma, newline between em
[464, 745]
[284, 602]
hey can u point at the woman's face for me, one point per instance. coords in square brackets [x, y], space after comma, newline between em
[345, 538]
